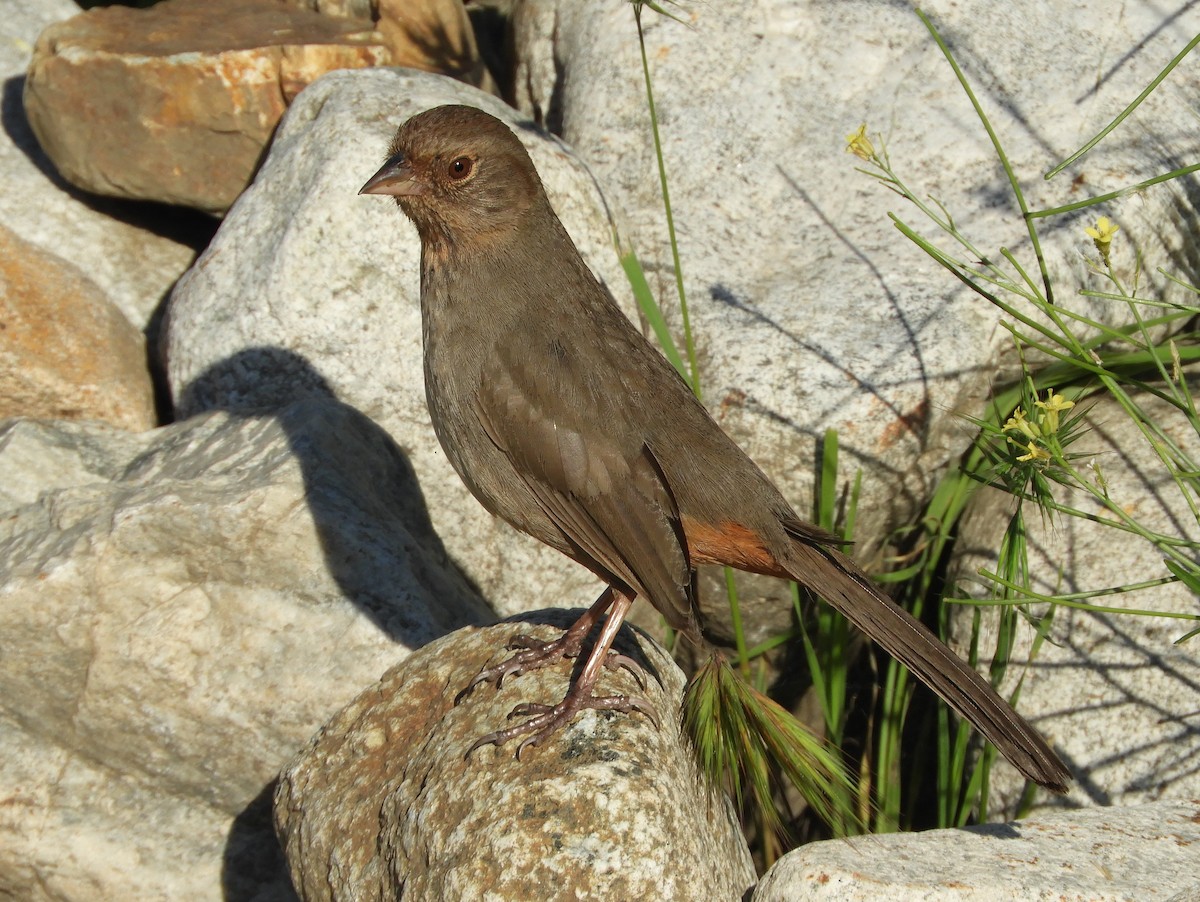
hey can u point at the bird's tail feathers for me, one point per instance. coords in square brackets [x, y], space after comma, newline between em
[835, 578]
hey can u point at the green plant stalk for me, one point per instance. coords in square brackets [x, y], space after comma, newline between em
[1052, 506]
[1125, 112]
[653, 313]
[1076, 596]
[1115, 509]
[1179, 460]
[1114, 195]
[831, 708]
[688, 342]
[946, 224]
[1178, 308]
[735, 614]
[835, 628]
[1047, 285]
[826, 655]
[949, 497]
[893, 705]
[1028, 594]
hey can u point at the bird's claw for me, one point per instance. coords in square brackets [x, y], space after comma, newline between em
[545, 720]
[533, 654]
[617, 661]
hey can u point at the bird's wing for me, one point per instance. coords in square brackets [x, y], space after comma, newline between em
[611, 500]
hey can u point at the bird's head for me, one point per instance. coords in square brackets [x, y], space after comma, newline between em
[460, 175]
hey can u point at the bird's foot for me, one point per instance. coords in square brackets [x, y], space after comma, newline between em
[613, 660]
[545, 720]
[533, 654]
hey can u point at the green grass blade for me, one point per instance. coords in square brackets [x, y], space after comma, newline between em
[653, 313]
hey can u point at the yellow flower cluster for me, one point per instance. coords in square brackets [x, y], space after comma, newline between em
[1032, 434]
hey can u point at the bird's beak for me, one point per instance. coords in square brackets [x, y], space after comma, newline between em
[395, 177]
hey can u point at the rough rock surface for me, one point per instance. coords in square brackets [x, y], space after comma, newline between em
[176, 102]
[308, 282]
[382, 804]
[112, 243]
[66, 352]
[179, 611]
[1112, 692]
[1146, 852]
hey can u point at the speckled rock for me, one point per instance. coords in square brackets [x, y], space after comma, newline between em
[383, 804]
[179, 611]
[1143, 853]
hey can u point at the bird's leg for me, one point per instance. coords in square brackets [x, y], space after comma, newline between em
[536, 653]
[545, 720]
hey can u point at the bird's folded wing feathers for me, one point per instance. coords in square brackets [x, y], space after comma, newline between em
[612, 503]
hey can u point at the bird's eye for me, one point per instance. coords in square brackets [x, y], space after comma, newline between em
[460, 168]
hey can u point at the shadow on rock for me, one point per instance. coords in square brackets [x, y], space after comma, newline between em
[374, 530]
[254, 869]
[366, 502]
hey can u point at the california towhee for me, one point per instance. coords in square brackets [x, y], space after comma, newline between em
[563, 420]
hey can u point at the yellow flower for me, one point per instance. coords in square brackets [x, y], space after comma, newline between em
[1102, 235]
[1051, 407]
[1036, 453]
[859, 144]
[1018, 423]
[1104, 230]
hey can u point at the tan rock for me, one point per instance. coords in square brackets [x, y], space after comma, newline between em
[175, 103]
[131, 259]
[383, 805]
[348, 9]
[434, 35]
[66, 352]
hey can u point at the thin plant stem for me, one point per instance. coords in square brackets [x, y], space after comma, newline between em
[689, 344]
[1125, 112]
[1000, 155]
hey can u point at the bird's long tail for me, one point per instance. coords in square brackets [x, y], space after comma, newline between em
[835, 578]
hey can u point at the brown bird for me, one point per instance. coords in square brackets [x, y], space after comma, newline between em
[562, 419]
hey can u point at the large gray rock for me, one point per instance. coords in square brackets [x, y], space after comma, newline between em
[307, 282]
[811, 311]
[179, 612]
[1102, 855]
[132, 264]
[1112, 692]
[383, 805]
